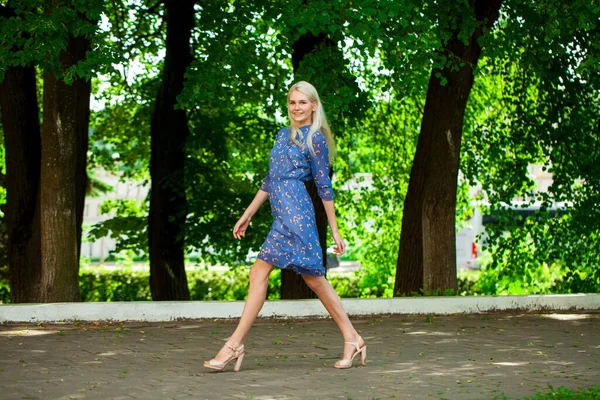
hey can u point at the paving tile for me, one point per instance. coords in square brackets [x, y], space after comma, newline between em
[409, 357]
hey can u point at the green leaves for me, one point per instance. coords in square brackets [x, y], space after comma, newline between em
[530, 106]
[38, 31]
[535, 101]
[128, 226]
[371, 182]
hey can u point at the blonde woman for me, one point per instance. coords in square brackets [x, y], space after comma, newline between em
[302, 151]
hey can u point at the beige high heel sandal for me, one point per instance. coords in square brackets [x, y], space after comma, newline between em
[219, 365]
[343, 364]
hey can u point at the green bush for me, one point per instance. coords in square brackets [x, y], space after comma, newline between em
[126, 284]
[542, 278]
[99, 284]
[346, 286]
[4, 292]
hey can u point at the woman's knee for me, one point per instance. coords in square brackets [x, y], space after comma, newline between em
[314, 282]
[260, 271]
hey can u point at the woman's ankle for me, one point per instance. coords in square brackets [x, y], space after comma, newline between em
[352, 337]
[236, 343]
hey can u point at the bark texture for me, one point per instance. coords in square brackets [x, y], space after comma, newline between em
[22, 143]
[292, 284]
[169, 131]
[63, 176]
[427, 254]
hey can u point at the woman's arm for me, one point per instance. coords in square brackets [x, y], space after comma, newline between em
[321, 167]
[340, 246]
[259, 199]
[239, 230]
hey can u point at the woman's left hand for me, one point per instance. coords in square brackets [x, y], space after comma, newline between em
[340, 246]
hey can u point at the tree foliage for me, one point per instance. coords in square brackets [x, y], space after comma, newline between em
[535, 101]
[539, 93]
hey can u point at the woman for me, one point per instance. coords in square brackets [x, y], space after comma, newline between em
[301, 152]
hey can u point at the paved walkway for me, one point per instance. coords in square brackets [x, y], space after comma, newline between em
[409, 357]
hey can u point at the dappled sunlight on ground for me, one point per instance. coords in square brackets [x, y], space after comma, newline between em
[430, 333]
[26, 332]
[511, 364]
[568, 317]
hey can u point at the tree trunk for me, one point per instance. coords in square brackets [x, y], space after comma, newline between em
[63, 176]
[20, 120]
[169, 132]
[292, 284]
[427, 255]
[409, 267]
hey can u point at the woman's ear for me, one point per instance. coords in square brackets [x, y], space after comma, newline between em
[314, 106]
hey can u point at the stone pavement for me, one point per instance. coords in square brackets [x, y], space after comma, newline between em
[485, 356]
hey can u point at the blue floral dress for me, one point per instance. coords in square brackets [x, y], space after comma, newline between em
[293, 241]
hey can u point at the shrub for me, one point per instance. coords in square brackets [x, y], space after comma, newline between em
[98, 284]
[127, 284]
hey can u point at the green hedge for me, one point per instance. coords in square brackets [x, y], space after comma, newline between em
[126, 284]
[129, 285]
[98, 284]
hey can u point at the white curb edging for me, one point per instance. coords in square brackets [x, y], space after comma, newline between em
[168, 311]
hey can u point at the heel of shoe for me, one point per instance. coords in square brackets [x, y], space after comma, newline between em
[363, 356]
[238, 363]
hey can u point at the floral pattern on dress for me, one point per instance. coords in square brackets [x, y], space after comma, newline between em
[293, 241]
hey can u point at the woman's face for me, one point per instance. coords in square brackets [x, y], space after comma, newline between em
[301, 108]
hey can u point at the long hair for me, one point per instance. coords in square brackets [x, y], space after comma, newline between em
[319, 120]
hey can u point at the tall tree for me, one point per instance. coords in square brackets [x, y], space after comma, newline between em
[64, 175]
[56, 37]
[169, 131]
[427, 253]
[20, 120]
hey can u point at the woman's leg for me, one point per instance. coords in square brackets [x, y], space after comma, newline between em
[257, 292]
[333, 304]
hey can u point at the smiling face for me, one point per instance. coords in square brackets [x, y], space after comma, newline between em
[300, 108]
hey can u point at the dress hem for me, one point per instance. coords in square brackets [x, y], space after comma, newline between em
[291, 267]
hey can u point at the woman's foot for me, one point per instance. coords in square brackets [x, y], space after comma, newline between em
[352, 348]
[227, 353]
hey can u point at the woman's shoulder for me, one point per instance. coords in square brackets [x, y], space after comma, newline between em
[319, 137]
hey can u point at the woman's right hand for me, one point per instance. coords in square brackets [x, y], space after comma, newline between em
[239, 230]
[340, 245]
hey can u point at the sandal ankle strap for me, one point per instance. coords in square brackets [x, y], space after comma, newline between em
[236, 350]
[355, 344]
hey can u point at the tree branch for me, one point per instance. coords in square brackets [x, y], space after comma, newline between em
[152, 10]
[119, 32]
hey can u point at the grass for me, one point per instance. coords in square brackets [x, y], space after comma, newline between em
[562, 393]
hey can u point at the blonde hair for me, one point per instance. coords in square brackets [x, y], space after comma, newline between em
[319, 120]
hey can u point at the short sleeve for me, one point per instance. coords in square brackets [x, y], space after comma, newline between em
[321, 167]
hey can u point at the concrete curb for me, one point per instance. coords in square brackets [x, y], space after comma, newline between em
[168, 311]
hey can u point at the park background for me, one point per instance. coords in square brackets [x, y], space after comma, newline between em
[427, 100]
